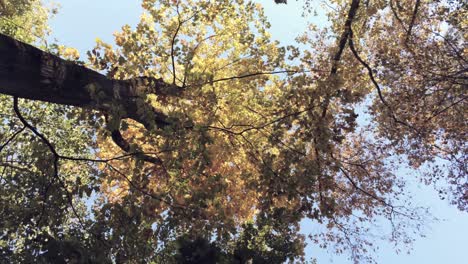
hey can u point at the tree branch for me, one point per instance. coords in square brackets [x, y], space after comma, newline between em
[179, 24]
[30, 73]
[120, 141]
[56, 160]
[344, 36]
[413, 19]
[248, 75]
[395, 13]
[11, 138]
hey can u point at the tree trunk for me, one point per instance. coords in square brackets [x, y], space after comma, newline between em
[30, 73]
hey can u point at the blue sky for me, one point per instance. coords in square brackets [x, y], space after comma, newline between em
[80, 22]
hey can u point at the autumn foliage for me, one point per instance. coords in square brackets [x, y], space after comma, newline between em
[248, 139]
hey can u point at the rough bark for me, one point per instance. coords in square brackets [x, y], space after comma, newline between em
[30, 73]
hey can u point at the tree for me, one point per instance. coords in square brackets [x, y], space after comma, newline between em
[26, 20]
[197, 137]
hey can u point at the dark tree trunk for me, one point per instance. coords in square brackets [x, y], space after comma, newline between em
[30, 73]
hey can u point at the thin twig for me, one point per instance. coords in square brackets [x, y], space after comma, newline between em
[11, 138]
[249, 75]
[142, 190]
[179, 24]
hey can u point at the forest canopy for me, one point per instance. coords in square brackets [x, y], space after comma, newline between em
[196, 138]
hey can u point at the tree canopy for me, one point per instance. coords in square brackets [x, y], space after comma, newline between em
[196, 138]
